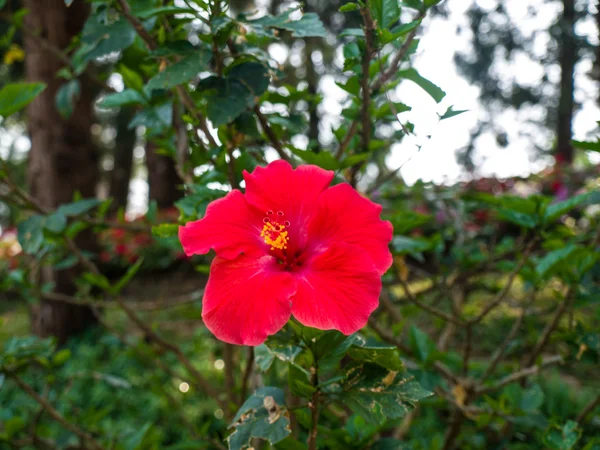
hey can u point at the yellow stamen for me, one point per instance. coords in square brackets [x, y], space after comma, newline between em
[275, 235]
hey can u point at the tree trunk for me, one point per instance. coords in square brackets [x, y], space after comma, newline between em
[62, 159]
[123, 160]
[163, 180]
[567, 60]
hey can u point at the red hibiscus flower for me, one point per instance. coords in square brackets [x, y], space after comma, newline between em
[290, 245]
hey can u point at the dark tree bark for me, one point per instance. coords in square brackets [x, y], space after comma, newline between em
[163, 180]
[123, 160]
[567, 59]
[62, 158]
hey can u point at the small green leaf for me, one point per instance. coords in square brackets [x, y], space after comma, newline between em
[422, 344]
[14, 425]
[434, 91]
[406, 245]
[79, 207]
[383, 355]
[558, 209]
[254, 420]
[348, 7]
[131, 272]
[385, 12]
[156, 119]
[56, 222]
[16, 96]
[450, 112]
[61, 357]
[67, 98]
[299, 381]
[563, 438]
[590, 146]
[378, 394]
[165, 230]
[550, 261]
[30, 233]
[125, 97]
[135, 441]
[533, 398]
[180, 72]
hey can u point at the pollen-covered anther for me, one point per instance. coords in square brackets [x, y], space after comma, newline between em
[275, 234]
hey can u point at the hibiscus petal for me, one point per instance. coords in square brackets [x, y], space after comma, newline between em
[247, 299]
[338, 289]
[230, 227]
[279, 187]
[343, 215]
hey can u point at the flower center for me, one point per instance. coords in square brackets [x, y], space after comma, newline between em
[274, 231]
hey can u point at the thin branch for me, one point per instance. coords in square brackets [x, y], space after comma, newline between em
[346, 141]
[551, 326]
[86, 437]
[397, 59]
[247, 373]
[511, 335]
[365, 117]
[588, 409]
[150, 305]
[505, 290]
[270, 133]
[436, 312]
[519, 375]
[313, 405]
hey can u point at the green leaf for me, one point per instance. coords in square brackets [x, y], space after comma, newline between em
[348, 7]
[518, 218]
[180, 72]
[14, 425]
[165, 230]
[563, 438]
[406, 245]
[162, 11]
[125, 97]
[323, 159]
[157, 119]
[56, 222]
[533, 398]
[299, 381]
[434, 91]
[79, 207]
[19, 349]
[230, 96]
[135, 441]
[100, 38]
[67, 97]
[385, 12]
[266, 354]
[30, 233]
[16, 96]
[590, 146]
[254, 420]
[309, 25]
[450, 112]
[61, 357]
[385, 356]
[131, 272]
[422, 344]
[378, 394]
[558, 209]
[548, 264]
